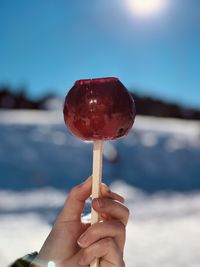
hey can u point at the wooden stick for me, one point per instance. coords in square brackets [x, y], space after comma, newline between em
[96, 181]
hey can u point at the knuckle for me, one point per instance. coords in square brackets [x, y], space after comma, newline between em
[72, 192]
[127, 211]
[122, 264]
[90, 233]
[109, 242]
[119, 226]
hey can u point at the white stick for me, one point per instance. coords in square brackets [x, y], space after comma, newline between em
[96, 181]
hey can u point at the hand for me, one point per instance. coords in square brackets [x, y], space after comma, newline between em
[73, 243]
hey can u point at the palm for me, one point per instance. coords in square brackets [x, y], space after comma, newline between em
[64, 236]
[71, 232]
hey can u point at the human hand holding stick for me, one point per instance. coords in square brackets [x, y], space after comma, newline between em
[74, 243]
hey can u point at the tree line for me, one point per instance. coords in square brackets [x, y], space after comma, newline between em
[145, 105]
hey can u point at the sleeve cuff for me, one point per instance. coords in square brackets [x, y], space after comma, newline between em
[25, 261]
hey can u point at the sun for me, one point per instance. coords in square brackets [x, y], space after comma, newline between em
[144, 8]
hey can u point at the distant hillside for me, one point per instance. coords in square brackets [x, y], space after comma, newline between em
[159, 108]
[144, 105]
[9, 99]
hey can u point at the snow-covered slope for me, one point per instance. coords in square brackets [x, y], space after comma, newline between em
[156, 168]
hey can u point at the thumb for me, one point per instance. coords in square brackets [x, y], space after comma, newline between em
[75, 201]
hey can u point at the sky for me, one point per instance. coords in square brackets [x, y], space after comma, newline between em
[45, 45]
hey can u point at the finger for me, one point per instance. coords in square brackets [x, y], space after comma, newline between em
[97, 231]
[75, 201]
[111, 207]
[106, 249]
[106, 192]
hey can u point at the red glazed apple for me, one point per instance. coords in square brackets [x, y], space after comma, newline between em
[99, 109]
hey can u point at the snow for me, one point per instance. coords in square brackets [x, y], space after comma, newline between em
[162, 230]
[159, 164]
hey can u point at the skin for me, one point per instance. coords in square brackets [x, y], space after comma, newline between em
[73, 243]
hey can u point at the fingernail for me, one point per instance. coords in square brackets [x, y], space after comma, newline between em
[82, 239]
[106, 188]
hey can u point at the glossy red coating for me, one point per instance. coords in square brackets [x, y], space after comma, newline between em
[99, 109]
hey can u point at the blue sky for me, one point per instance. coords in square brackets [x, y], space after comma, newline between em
[48, 44]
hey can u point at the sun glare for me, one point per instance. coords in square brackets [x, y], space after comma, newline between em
[145, 8]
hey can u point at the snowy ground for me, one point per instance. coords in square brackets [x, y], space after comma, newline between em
[159, 163]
